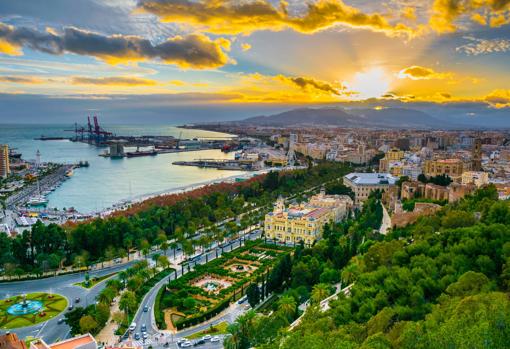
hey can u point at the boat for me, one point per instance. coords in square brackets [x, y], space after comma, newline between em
[139, 152]
[38, 200]
[14, 154]
[69, 173]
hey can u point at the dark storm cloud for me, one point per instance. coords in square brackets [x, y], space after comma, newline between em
[192, 51]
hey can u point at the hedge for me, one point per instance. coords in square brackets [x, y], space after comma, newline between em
[204, 316]
[158, 314]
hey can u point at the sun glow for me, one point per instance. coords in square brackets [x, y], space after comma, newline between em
[371, 83]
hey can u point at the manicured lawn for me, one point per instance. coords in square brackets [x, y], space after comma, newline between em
[218, 329]
[53, 305]
[94, 281]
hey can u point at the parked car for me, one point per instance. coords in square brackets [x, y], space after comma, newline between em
[186, 344]
[215, 339]
[198, 342]
[207, 337]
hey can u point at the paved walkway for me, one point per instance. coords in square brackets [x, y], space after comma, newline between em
[107, 334]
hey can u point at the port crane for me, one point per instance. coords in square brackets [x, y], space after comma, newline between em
[93, 133]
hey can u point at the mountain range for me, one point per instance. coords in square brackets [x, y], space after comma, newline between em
[380, 118]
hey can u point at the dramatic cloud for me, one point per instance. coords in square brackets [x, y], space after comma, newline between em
[483, 46]
[21, 80]
[313, 84]
[192, 51]
[499, 98]
[446, 13]
[236, 17]
[113, 81]
[416, 72]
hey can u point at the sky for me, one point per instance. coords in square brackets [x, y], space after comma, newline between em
[207, 60]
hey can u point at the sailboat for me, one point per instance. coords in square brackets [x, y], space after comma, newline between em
[38, 200]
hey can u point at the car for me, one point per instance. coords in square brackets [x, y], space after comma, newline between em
[242, 300]
[144, 328]
[132, 326]
[207, 337]
[77, 300]
[60, 321]
[145, 335]
[71, 307]
[145, 309]
[137, 336]
[186, 344]
[198, 342]
[126, 335]
[215, 339]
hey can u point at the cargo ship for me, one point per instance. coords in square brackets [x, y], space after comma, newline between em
[134, 154]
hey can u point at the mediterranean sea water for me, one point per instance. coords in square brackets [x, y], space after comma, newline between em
[109, 181]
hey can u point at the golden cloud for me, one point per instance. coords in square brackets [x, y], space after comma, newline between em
[21, 80]
[445, 13]
[192, 51]
[113, 81]
[245, 47]
[417, 72]
[499, 98]
[236, 17]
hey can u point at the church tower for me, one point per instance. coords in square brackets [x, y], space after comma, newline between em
[476, 155]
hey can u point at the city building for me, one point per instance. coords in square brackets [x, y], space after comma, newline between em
[477, 178]
[450, 167]
[5, 168]
[362, 184]
[305, 222]
[476, 160]
[11, 341]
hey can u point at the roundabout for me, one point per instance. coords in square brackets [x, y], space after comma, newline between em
[30, 309]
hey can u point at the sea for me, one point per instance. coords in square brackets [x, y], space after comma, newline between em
[107, 182]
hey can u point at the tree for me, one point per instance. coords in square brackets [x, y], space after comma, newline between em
[128, 302]
[320, 292]
[287, 306]
[253, 294]
[163, 261]
[88, 324]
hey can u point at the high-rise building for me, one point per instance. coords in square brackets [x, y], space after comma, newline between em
[4, 161]
[476, 160]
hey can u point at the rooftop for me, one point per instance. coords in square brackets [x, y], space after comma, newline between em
[371, 178]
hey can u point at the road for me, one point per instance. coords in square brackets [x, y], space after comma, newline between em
[147, 318]
[50, 330]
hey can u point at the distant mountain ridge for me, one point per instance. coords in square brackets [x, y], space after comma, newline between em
[383, 118]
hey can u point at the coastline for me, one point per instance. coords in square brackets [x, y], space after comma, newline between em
[126, 204]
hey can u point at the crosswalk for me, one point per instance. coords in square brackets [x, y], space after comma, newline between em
[142, 343]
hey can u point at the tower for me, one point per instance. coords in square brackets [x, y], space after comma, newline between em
[4, 161]
[279, 205]
[476, 155]
[37, 159]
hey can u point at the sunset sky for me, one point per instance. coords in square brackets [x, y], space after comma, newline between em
[257, 51]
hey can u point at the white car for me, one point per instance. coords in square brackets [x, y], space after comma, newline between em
[132, 327]
[206, 337]
[186, 344]
[215, 339]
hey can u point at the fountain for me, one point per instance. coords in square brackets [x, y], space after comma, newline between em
[25, 307]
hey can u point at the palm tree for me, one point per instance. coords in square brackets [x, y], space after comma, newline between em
[235, 338]
[320, 292]
[287, 305]
[164, 246]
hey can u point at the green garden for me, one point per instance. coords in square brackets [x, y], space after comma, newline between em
[18, 311]
[206, 291]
